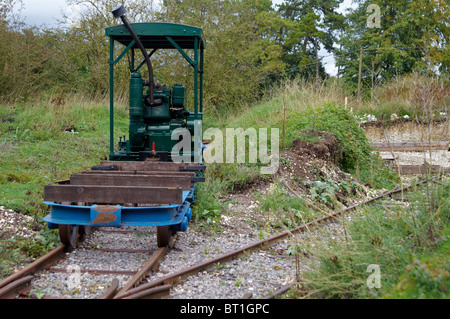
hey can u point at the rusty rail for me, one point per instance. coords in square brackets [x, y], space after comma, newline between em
[146, 290]
[111, 291]
[12, 285]
[35, 266]
[161, 287]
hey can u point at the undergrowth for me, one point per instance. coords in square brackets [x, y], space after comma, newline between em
[409, 245]
[357, 158]
[289, 211]
[222, 179]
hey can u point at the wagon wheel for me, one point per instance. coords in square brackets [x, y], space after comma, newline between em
[85, 230]
[163, 235]
[68, 234]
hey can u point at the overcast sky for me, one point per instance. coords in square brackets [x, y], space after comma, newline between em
[40, 12]
[48, 12]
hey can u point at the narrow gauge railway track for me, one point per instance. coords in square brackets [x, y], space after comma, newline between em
[74, 268]
[162, 286]
[97, 268]
[140, 283]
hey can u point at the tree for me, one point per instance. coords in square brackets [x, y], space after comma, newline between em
[242, 49]
[412, 37]
[313, 23]
[83, 47]
[240, 52]
[22, 54]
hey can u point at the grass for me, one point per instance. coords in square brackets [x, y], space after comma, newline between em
[41, 143]
[300, 107]
[428, 275]
[409, 244]
[18, 250]
[419, 97]
[289, 211]
[45, 142]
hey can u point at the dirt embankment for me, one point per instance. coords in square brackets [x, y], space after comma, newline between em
[407, 131]
[310, 160]
[412, 131]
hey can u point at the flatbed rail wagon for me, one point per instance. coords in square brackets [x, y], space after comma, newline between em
[144, 182]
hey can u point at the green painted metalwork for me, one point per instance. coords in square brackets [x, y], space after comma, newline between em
[196, 76]
[201, 80]
[124, 52]
[176, 46]
[151, 125]
[152, 34]
[142, 63]
[111, 95]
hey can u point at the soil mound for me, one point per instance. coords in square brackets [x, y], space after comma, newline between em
[325, 146]
[314, 156]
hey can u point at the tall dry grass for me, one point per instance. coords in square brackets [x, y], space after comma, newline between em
[417, 96]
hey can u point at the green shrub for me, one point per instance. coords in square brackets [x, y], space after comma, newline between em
[357, 158]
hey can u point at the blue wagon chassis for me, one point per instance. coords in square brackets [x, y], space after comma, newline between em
[124, 193]
[176, 216]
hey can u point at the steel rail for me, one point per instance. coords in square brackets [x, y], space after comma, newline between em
[111, 291]
[281, 291]
[10, 286]
[175, 278]
[45, 261]
[146, 270]
[10, 290]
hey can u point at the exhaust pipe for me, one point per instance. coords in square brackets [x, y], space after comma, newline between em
[119, 12]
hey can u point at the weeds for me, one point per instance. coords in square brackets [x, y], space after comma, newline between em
[391, 239]
[287, 211]
[220, 180]
[329, 192]
[408, 95]
[17, 250]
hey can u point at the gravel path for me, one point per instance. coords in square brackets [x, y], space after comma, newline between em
[257, 274]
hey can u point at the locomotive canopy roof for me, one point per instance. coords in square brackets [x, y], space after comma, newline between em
[154, 35]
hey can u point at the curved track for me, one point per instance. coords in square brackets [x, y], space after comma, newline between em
[28, 282]
[162, 286]
[73, 267]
